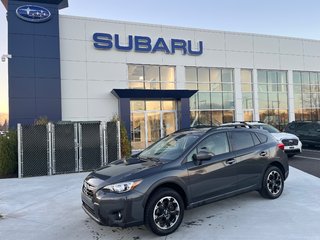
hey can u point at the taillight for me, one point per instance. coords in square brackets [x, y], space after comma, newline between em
[281, 146]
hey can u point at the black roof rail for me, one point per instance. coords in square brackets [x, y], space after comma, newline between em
[196, 127]
[301, 121]
[236, 125]
[247, 122]
[212, 128]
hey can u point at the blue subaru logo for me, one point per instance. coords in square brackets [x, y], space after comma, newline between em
[32, 13]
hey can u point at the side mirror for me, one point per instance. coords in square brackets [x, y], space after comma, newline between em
[202, 156]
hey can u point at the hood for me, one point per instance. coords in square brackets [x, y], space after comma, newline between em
[122, 170]
[283, 135]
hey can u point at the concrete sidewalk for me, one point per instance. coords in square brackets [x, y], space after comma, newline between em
[49, 207]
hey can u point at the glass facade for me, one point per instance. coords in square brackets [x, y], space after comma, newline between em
[151, 119]
[151, 77]
[214, 102]
[273, 97]
[306, 90]
[247, 94]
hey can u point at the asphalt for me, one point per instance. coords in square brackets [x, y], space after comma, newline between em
[49, 207]
[308, 161]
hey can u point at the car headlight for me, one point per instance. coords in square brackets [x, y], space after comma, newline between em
[122, 187]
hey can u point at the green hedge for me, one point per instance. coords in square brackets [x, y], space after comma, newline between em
[8, 155]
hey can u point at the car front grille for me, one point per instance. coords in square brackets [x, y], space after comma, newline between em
[87, 189]
[90, 210]
[290, 142]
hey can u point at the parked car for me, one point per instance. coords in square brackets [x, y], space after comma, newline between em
[307, 131]
[184, 170]
[292, 143]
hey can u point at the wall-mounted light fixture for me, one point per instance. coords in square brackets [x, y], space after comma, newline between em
[5, 56]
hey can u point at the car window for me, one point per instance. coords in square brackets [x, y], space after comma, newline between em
[263, 138]
[292, 126]
[216, 144]
[170, 147]
[269, 128]
[255, 139]
[301, 124]
[241, 140]
[305, 127]
[189, 157]
[316, 127]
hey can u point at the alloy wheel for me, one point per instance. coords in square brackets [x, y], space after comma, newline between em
[274, 182]
[166, 212]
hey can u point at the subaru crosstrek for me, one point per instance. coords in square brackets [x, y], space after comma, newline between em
[184, 170]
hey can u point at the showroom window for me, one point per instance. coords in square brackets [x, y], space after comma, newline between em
[306, 90]
[247, 94]
[273, 97]
[151, 77]
[214, 102]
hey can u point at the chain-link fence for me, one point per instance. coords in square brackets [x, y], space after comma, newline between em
[34, 150]
[90, 142]
[66, 147]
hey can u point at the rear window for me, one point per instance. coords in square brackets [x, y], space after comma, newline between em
[269, 128]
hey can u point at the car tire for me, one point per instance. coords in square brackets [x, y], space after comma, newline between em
[272, 183]
[164, 211]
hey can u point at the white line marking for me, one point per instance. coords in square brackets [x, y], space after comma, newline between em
[308, 158]
[309, 150]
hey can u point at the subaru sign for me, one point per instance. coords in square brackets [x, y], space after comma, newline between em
[33, 13]
[105, 41]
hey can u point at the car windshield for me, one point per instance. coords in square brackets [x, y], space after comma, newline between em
[268, 128]
[170, 147]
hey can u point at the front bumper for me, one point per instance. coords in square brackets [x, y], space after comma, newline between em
[115, 210]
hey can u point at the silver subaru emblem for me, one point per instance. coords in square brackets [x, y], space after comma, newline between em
[33, 13]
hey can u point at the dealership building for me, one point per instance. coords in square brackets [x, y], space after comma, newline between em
[156, 78]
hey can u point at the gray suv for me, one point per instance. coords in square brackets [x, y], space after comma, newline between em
[307, 131]
[184, 170]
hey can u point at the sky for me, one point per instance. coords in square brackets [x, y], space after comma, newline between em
[293, 18]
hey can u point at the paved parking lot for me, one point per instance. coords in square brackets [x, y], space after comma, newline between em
[308, 161]
[50, 208]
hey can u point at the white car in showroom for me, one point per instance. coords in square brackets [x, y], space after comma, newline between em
[292, 144]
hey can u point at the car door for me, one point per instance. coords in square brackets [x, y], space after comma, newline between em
[312, 134]
[306, 133]
[251, 156]
[317, 133]
[212, 177]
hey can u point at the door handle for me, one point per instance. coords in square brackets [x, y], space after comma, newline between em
[263, 154]
[230, 161]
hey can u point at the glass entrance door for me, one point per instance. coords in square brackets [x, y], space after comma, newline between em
[138, 131]
[153, 127]
[168, 123]
[150, 121]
